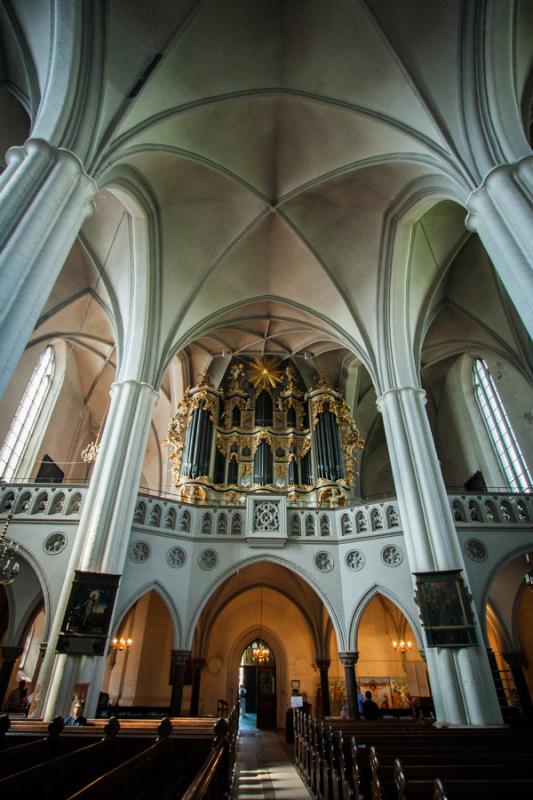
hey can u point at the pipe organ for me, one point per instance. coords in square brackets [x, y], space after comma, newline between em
[263, 429]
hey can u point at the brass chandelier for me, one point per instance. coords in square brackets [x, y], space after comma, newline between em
[260, 652]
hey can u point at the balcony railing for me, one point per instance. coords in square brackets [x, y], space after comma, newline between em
[152, 512]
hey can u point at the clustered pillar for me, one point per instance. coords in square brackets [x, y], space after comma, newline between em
[179, 661]
[197, 665]
[461, 678]
[348, 661]
[323, 665]
[45, 194]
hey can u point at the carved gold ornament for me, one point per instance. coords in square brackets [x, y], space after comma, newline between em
[265, 373]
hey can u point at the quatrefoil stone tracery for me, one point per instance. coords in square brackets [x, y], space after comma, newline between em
[355, 560]
[266, 517]
[55, 543]
[476, 550]
[392, 556]
[208, 559]
[139, 552]
[176, 557]
[323, 562]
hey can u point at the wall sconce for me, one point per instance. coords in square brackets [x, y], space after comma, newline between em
[121, 644]
[402, 646]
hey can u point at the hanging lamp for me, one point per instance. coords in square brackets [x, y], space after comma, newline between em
[260, 652]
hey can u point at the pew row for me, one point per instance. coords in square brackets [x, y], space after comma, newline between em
[403, 759]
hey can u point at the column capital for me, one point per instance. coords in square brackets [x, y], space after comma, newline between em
[520, 171]
[323, 663]
[11, 653]
[349, 659]
[399, 391]
[137, 384]
[35, 146]
[180, 657]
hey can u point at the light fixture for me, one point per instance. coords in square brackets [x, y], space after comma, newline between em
[89, 453]
[9, 565]
[121, 644]
[402, 646]
[260, 652]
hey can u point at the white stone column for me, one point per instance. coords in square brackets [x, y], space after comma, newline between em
[103, 536]
[500, 211]
[45, 195]
[461, 680]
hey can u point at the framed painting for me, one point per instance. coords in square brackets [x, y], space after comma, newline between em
[445, 609]
[88, 616]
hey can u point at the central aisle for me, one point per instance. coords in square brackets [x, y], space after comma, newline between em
[263, 768]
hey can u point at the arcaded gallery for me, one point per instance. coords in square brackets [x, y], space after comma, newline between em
[266, 399]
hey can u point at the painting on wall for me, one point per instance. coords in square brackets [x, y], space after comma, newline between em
[386, 692]
[88, 615]
[445, 608]
[337, 696]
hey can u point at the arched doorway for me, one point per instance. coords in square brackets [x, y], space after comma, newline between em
[262, 601]
[137, 672]
[390, 665]
[257, 674]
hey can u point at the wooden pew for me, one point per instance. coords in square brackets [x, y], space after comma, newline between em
[424, 751]
[57, 778]
[22, 756]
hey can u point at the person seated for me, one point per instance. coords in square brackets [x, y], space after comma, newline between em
[76, 718]
[370, 709]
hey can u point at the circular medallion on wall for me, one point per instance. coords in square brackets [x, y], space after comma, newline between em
[355, 560]
[176, 557]
[391, 555]
[139, 551]
[323, 562]
[208, 559]
[55, 543]
[476, 550]
[214, 665]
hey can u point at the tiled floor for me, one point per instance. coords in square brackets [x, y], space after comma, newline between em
[264, 769]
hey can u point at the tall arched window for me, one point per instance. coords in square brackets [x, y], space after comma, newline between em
[500, 430]
[27, 414]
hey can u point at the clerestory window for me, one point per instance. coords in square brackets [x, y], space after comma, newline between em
[27, 415]
[500, 431]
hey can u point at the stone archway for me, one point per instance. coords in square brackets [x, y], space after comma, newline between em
[390, 665]
[293, 621]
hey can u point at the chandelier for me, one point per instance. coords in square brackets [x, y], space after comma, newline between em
[9, 565]
[89, 453]
[260, 652]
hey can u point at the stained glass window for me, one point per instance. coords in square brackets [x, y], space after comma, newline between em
[501, 433]
[27, 415]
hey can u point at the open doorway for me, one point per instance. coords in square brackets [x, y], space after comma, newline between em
[257, 675]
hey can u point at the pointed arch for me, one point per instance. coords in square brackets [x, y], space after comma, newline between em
[362, 605]
[298, 570]
[167, 600]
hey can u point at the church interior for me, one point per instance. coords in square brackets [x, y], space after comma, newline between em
[265, 366]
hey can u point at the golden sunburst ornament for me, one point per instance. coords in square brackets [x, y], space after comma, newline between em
[265, 373]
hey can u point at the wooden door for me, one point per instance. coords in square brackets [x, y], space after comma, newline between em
[266, 698]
